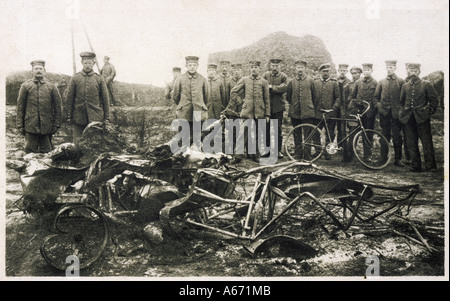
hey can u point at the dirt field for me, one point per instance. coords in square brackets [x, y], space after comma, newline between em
[211, 256]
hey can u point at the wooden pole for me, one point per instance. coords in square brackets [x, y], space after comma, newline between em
[73, 51]
[92, 48]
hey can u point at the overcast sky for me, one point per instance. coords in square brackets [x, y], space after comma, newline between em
[145, 39]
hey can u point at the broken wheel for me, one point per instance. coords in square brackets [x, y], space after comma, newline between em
[81, 231]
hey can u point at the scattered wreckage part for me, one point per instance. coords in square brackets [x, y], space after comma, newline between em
[82, 231]
[281, 246]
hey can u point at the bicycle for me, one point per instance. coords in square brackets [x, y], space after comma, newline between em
[370, 147]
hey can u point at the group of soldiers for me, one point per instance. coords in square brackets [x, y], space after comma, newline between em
[87, 99]
[404, 106]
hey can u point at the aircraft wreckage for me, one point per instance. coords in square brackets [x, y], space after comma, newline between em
[88, 188]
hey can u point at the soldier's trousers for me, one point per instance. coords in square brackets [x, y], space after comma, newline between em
[279, 120]
[37, 143]
[298, 138]
[392, 128]
[112, 99]
[77, 131]
[422, 131]
[369, 124]
[247, 139]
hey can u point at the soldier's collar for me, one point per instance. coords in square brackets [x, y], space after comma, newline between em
[415, 80]
[42, 80]
[89, 73]
[393, 76]
[255, 77]
[214, 78]
[300, 77]
[367, 79]
[275, 75]
[224, 75]
[325, 80]
[195, 75]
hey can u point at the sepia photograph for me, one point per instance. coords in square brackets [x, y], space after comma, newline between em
[234, 140]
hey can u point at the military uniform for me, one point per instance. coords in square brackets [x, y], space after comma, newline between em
[38, 114]
[349, 107]
[217, 98]
[109, 73]
[168, 91]
[191, 94]
[278, 83]
[87, 100]
[301, 98]
[328, 98]
[341, 124]
[387, 96]
[418, 102]
[234, 107]
[256, 103]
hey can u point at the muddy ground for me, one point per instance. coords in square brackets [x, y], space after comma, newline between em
[212, 256]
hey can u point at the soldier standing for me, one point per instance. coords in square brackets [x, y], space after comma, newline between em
[301, 99]
[277, 86]
[109, 73]
[87, 97]
[365, 91]
[225, 77]
[387, 96]
[256, 105]
[418, 102]
[327, 97]
[38, 110]
[216, 103]
[190, 94]
[349, 107]
[342, 80]
[234, 107]
[168, 92]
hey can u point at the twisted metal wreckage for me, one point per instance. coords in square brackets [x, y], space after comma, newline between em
[266, 207]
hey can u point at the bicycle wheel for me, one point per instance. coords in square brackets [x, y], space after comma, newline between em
[372, 149]
[82, 231]
[305, 142]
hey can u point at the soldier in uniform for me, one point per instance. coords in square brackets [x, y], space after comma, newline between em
[109, 73]
[87, 97]
[342, 80]
[277, 86]
[256, 105]
[234, 107]
[38, 110]
[387, 96]
[301, 98]
[327, 97]
[365, 91]
[190, 94]
[349, 107]
[225, 77]
[168, 92]
[216, 103]
[418, 101]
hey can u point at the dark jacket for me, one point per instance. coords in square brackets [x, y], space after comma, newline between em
[417, 97]
[387, 95]
[38, 107]
[87, 98]
[216, 102]
[234, 106]
[327, 96]
[349, 105]
[279, 87]
[301, 97]
[108, 72]
[341, 84]
[226, 83]
[365, 90]
[256, 103]
[190, 93]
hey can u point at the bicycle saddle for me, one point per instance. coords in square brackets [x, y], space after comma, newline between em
[326, 110]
